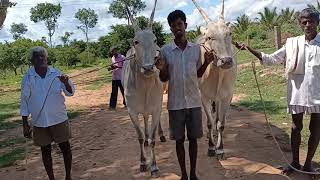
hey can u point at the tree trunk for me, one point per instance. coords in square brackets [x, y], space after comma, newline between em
[15, 72]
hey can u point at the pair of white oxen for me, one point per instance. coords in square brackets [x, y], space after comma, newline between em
[144, 91]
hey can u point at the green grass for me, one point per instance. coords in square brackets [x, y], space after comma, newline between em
[11, 142]
[104, 77]
[10, 158]
[245, 56]
[72, 113]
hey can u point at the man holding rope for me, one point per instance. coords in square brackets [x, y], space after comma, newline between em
[302, 58]
[41, 96]
[116, 67]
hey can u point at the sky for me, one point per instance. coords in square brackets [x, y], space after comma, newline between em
[67, 22]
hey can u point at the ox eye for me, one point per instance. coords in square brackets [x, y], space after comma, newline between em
[210, 38]
[136, 42]
[155, 41]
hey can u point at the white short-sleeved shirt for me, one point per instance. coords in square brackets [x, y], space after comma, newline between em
[183, 89]
[34, 90]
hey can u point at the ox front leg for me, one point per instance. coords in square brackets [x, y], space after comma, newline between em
[160, 132]
[155, 122]
[207, 106]
[222, 116]
[143, 160]
[146, 129]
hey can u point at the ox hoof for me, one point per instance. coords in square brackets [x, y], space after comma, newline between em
[163, 139]
[211, 152]
[155, 173]
[146, 143]
[143, 168]
[220, 154]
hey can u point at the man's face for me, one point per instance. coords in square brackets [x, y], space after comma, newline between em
[40, 60]
[308, 25]
[178, 28]
[114, 52]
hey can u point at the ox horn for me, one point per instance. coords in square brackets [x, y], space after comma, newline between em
[204, 14]
[152, 15]
[222, 12]
[133, 22]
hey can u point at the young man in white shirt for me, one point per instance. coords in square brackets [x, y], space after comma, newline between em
[41, 97]
[180, 64]
[302, 58]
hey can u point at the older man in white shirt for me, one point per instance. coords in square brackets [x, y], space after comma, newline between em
[302, 58]
[42, 98]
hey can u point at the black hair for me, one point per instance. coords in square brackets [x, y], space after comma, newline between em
[176, 14]
[309, 13]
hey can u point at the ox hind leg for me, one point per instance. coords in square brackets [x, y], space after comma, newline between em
[154, 125]
[207, 106]
[160, 133]
[222, 112]
[143, 160]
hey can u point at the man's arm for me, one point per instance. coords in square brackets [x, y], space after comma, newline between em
[277, 57]
[164, 74]
[69, 87]
[24, 110]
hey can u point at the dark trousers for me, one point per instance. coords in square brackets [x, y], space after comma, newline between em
[114, 94]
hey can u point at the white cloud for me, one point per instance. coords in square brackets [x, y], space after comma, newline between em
[67, 22]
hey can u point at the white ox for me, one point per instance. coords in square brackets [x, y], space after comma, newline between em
[217, 83]
[143, 89]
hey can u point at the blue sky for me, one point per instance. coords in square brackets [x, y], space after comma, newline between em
[233, 8]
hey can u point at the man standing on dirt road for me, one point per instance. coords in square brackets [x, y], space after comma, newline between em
[116, 67]
[302, 58]
[41, 97]
[181, 65]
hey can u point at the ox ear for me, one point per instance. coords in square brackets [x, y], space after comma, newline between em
[203, 30]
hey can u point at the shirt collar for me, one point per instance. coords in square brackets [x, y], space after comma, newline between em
[32, 71]
[174, 46]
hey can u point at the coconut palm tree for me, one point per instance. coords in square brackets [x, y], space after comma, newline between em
[317, 7]
[270, 18]
[242, 24]
[287, 15]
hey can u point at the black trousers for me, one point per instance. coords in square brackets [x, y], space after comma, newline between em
[114, 94]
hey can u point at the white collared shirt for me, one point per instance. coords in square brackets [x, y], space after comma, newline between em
[183, 89]
[303, 89]
[34, 90]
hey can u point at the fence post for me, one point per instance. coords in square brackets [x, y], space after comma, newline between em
[277, 36]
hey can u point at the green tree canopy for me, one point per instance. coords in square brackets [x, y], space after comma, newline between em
[49, 13]
[88, 19]
[118, 8]
[17, 30]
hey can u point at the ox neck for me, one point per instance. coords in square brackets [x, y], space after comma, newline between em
[181, 43]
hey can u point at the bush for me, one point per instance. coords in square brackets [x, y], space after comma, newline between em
[87, 57]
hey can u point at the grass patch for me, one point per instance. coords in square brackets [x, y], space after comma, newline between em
[10, 158]
[11, 142]
[73, 114]
[9, 107]
[104, 77]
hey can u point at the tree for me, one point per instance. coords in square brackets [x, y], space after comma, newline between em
[118, 8]
[66, 38]
[287, 15]
[242, 24]
[269, 18]
[317, 7]
[5, 4]
[17, 30]
[48, 13]
[88, 19]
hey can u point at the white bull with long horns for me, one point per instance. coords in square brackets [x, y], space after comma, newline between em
[143, 89]
[217, 84]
